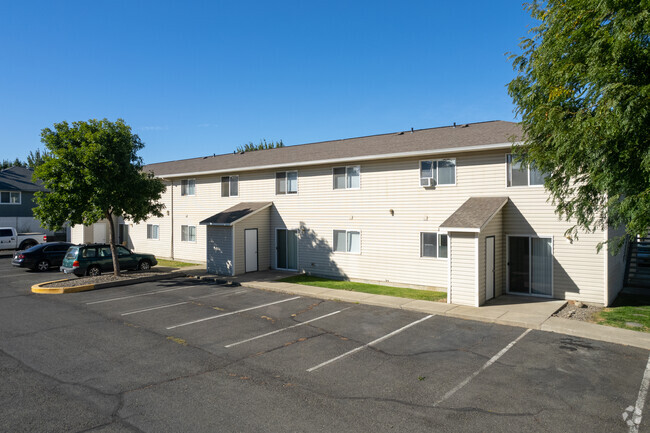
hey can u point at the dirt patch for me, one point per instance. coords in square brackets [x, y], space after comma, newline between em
[578, 311]
[106, 278]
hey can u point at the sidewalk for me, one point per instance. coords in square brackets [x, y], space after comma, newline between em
[511, 310]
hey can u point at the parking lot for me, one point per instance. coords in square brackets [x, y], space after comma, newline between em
[185, 355]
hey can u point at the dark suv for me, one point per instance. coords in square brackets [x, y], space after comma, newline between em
[93, 259]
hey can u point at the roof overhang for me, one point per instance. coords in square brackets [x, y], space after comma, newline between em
[416, 153]
[232, 223]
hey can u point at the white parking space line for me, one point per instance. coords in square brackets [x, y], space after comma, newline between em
[632, 415]
[380, 339]
[491, 361]
[232, 312]
[218, 294]
[153, 308]
[284, 329]
[138, 295]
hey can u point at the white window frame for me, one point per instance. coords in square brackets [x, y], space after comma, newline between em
[230, 183]
[438, 237]
[346, 177]
[286, 179]
[188, 233]
[157, 230]
[346, 241]
[20, 197]
[184, 188]
[509, 176]
[436, 184]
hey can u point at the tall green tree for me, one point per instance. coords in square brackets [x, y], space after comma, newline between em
[93, 173]
[583, 94]
[263, 145]
[36, 158]
[15, 163]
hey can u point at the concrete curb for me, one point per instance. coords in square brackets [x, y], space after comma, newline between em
[38, 288]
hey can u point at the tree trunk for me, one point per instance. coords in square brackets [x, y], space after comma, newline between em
[111, 231]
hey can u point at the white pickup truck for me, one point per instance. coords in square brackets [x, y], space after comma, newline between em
[10, 240]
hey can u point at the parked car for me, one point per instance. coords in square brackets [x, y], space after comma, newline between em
[11, 240]
[93, 259]
[42, 257]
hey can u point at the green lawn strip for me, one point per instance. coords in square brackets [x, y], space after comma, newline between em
[627, 309]
[173, 263]
[401, 292]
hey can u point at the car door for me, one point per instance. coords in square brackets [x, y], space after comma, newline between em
[105, 258]
[56, 253]
[7, 239]
[126, 258]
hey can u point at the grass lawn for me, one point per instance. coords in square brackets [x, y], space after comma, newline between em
[627, 308]
[377, 289]
[173, 263]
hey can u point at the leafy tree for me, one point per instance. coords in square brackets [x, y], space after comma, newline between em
[15, 163]
[583, 93]
[250, 147]
[93, 173]
[34, 159]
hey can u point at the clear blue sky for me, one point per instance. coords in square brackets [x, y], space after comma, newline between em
[194, 78]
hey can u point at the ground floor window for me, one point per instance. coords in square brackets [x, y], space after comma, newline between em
[188, 233]
[433, 245]
[153, 231]
[530, 265]
[347, 241]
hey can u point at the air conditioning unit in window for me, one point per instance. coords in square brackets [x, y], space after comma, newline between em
[426, 181]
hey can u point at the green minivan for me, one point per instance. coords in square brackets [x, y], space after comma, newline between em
[93, 259]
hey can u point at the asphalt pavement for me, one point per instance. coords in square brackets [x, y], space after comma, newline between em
[187, 355]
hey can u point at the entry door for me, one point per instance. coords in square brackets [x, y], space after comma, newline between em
[250, 236]
[286, 249]
[489, 267]
[530, 265]
[99, 233]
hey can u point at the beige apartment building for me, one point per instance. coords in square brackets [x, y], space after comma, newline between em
[441, 208]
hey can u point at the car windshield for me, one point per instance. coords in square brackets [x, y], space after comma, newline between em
[72, 253]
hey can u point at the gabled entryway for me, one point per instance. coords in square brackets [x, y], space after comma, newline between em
[238, 239]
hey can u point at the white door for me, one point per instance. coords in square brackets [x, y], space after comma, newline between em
[99, 233]
[250, 236]
[489, 267]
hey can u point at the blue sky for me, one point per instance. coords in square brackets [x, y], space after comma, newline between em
[195, 78]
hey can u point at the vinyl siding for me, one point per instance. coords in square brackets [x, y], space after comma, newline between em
[219, 250]
[261, 222]
[463, 269]
[163, 246]
[390, 242]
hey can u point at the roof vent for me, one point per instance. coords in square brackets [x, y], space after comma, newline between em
[454, 124]
[411, 130]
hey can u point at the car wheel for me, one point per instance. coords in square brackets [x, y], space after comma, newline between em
[144, 265]
[26, 245]
[42, 266]
[94, 271]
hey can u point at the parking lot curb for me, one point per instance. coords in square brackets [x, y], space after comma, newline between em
[38, 288]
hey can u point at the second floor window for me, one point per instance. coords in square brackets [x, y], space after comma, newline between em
[10, 197]
[346, 177]
[519, 175]
[187, 186]
[286, 182]
[438, 172]
[229, 186]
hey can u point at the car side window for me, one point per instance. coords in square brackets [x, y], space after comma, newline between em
[122, 252]
[105, 252]
[89, 252]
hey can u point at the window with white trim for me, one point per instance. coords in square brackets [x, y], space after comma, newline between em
[438, 172]
[286, 182]
[9, 197]
[346, 177]
[434, 245]
[347, 241]
[229, 186]
[188, 233]
[187, 186]
[523, 176]
[153, 231]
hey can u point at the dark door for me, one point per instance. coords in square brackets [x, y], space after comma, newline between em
[519, 264]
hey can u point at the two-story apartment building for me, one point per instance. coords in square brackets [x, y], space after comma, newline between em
[442, 207]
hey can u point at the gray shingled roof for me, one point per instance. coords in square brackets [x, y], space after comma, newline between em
[421, 140]
[18, 179]
[475, 213]
[234, 214]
